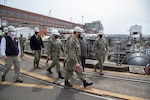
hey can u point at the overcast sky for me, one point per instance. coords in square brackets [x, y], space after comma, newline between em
[117, 16]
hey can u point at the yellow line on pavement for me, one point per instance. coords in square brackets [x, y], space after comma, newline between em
[27, 85]
[34, 75]
[104, 93]
[45, 78]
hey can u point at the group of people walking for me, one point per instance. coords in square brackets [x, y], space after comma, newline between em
[75, 53]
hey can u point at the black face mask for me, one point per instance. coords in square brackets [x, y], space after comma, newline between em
[100, 36]
[36, 33]
[6, 33]
[56, 37]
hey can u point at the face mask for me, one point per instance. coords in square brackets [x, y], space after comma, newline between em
[6, 33]
[36, 33]
[56, 37]
[100, 36]
[81, 35]
[12, 33]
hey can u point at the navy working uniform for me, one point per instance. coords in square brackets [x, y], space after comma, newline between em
[73, 59]
[54, 47]
[100, 48]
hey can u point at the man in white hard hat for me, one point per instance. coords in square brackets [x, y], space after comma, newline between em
[5, 32]
[10, 49]
[100, 48]
[73, 59]
[36, 45]
[54, 47]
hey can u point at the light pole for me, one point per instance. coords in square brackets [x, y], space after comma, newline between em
[70, 19]
[50, 13]
[82, 19]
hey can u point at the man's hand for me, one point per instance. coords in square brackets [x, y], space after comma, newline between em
[77, 67]
[49, 57]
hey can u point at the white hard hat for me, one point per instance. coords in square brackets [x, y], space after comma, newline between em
[77, 29]
[55, 32]
[82, 30]
[36, 29]
[11, 28]
[100, 32]
[5, 29]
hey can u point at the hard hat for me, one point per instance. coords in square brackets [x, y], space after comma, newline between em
[5, 29]
[36, 29]
[100, 32]
[77, 29]
[11, 28]
[55, 32]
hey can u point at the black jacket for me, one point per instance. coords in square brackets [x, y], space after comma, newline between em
[36, 43]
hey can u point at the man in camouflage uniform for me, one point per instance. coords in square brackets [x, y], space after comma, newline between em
[73, 59]
[5, 32]
[100, 48]
[22, 44]
[53, 50]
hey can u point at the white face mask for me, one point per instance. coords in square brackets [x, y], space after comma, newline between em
[12, 33]
[81, 35]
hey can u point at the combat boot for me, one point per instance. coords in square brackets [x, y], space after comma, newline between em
[38, 66]
[85, 84]
[49, 70]
[3, 78]
[68, 84]
[60, 75]
[34, 66]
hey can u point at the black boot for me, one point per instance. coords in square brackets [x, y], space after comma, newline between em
[49, 70]
[60, 75]
[68, 84]
[38, 66]
[86, 84]
[3, 78]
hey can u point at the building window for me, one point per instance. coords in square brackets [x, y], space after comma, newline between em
[41, 19]
[25, 16]
[45, 20]
[19, 15]
[55, 22]
[36, 18]
[31, 17]
[15, 24]
[3, 12]
[10, 13]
